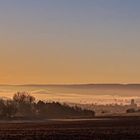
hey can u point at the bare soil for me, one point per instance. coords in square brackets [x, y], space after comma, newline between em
[112, 128]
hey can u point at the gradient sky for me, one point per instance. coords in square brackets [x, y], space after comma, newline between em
[69, 41]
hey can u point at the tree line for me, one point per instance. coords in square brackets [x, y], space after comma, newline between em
[23, 105]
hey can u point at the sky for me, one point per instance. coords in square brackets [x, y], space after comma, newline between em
[69, 41]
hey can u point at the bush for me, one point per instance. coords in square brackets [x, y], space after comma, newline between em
[131, 110]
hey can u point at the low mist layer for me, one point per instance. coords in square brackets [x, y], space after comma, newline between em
[88, 93]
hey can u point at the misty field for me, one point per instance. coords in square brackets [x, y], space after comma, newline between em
[118, 128]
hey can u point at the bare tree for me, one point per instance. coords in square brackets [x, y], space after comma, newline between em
[25, 103]
[7, 108]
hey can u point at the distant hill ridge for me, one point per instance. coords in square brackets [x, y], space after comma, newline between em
[101, 86]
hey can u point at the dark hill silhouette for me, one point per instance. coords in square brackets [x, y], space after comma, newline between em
[24, 106]
[57, 110]
[94, 86]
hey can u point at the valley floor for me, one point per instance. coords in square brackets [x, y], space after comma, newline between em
[112, 128]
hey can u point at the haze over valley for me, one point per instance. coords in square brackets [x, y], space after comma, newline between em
[79, 93]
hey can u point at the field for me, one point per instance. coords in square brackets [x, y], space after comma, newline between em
[116, 128]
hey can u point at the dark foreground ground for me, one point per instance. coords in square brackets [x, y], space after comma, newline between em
[118, 128]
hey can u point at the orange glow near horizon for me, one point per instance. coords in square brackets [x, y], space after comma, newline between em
[52, 43]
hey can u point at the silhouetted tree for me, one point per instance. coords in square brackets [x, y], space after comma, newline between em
[23, 97]
[10, 108]
[7, 108]
[41, 109]
[25, 103]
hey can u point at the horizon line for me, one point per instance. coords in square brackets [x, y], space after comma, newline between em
[69, 84]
